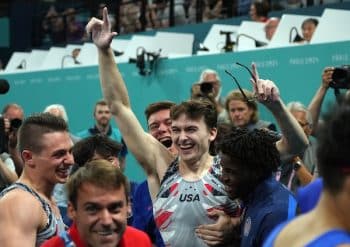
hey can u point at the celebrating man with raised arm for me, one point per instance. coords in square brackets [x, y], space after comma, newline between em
[184, 188]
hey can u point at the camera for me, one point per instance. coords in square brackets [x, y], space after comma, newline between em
[14, 125]
[206, 88]
[341, 77]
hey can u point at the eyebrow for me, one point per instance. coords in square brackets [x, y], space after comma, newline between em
[119, 204]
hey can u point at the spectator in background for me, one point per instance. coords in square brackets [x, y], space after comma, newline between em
[53, 27]
[60, 111]
[243, 113]
[102, 115]
[13, 116]
[98, 206]
[75, 54]
[130, 16]
[308, 28]
[74, 28]
[212, 10]
[259, 10]
[270, 27]
[110, 15]
[293, 4]
[210, 87]
[158, 16]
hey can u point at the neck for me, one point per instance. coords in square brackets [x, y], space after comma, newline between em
[103, 129]
[37, 184]
[332, 212]
[194, 170]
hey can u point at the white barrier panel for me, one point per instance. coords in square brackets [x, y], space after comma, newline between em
[251, 35]
[139, 42]
[174, 44]
[36, 59]
[54, 58]
[17, 62]
[88, 54]
[333, 26]
[119, 46]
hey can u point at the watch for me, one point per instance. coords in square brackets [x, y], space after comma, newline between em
[297, 165]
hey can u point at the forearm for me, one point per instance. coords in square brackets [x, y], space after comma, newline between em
[112, 83]
[7, 174]
[293, 139]
[304, 176]
[17, 161]
[315, 106]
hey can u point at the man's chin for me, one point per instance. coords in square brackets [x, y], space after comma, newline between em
[108, 241]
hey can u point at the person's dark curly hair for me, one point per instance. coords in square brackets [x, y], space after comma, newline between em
[255, 154]
[85, 149]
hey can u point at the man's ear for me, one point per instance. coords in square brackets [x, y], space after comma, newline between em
[71, 212]
[27, 157]
[115, 162]
[213, 132]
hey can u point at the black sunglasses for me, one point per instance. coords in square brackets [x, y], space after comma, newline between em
[237, 83]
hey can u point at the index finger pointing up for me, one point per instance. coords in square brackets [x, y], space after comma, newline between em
[105, 18]
[255, 72]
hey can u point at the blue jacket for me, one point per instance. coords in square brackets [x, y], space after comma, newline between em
[270, 204]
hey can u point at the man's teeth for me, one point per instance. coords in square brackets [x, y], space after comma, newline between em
[64, 170]
[186, 146]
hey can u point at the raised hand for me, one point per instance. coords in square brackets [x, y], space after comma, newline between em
[327, 76]
[101, 30]
[265, 90]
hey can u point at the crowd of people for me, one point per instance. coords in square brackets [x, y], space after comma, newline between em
[67, 25]
[216, 174]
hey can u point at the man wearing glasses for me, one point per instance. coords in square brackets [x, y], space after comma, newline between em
[210, 86]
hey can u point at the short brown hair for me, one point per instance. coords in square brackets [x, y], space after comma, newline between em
[237, 95]
[158, 106]
[195, 109]
[35, 126]
[99, 173]
[100, 102]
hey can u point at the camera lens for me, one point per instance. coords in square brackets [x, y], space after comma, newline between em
[15, 123]
[341, 77]
[206, 87]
